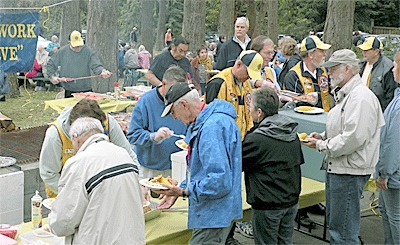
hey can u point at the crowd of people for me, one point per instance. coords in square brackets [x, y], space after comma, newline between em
[232, 125]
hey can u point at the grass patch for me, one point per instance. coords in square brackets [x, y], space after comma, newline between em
[28, 110]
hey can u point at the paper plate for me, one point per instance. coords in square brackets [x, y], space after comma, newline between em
[313, 111]
[152, 185]
[7, 161]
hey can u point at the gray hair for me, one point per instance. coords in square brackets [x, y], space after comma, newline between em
[142, 48]
[259, 42]
[175, 74]
[192, 97]
[304, 54]
[267, 100]
[84, 126]
[242, 20]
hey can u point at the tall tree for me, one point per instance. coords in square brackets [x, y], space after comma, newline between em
[194, 24]
[260, 19]
[339, 24]
[162, 19]
[147, 24]
[251, 15]
[102, 38]
[70, 20]
[227, 18]
[273, 20]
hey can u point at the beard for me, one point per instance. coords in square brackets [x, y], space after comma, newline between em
[336, 81]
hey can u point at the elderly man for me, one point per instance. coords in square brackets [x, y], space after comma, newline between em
[376, 71]
[75, 60]
[175, 55]
[149, 132]
[95, 186]
[351, 145]
[307, 77]
[214, 162]
[231, 49]
[233, 85]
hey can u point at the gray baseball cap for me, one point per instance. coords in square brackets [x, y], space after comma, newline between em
[342, 56]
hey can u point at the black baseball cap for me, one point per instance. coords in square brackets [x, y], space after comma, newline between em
[175, 92]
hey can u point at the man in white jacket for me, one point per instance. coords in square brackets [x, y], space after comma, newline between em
[351, 145]
[99, 199]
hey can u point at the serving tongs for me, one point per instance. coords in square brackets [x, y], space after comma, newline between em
[293, 95]
[182, 209]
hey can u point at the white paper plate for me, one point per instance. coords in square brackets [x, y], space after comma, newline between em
[48, 202]
[7, 161]
[179, 143]
[152, 185]
[314, 111]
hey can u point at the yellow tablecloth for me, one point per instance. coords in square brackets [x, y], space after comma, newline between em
[312, 192]
[107, 105]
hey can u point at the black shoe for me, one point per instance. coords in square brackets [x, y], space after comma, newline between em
[2, 98]
[232, 241]
[305, 221]
[318, 209]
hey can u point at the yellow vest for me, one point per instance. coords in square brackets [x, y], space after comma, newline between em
[308, 85]
[239, 97]
[67, 150]
[268, 75]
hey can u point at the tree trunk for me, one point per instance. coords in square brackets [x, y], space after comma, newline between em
[70, 20]
[251, 15]
[147, 28]
[194, 23]
[102, 38]
[162, 19]
[260, 20]
[227, 18]
[339, 24]
[273, 20]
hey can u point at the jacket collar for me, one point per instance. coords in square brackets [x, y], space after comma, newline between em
[347, 88]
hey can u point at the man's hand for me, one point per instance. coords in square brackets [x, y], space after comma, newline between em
[105, 74]
[162, 134]
[382, 183]
[55, 80]
[167, 202]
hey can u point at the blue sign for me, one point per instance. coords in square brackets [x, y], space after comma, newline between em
[18, 38]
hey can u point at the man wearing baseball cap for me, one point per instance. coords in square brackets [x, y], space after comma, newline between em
[350, 144]
[376, 71]
[74, 61]
[233, 85]
[308, 77]
[214, 164]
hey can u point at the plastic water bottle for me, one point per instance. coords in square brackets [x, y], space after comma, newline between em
[36, 205]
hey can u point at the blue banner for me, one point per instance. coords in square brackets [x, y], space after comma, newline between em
[18, 38]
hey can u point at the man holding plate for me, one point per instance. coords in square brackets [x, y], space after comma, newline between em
[214, 163]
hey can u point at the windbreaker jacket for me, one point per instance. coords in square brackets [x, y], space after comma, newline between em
[215, 165]
[228, 54]
[351, 139]
[381, 80]
[50, 164]
[388, 166]
[100, 198]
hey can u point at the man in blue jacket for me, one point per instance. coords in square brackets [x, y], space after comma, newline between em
[214, 164]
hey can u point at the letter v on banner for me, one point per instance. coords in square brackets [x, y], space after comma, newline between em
[18, 38]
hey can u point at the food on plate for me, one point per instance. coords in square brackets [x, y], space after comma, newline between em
[305, 108]
[146, 206]
[161, 180]
[90, 95]
[184, 145]
[8, 230]
[303, 136]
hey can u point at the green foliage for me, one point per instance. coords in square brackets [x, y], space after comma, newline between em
[212, 15]
[175, 17]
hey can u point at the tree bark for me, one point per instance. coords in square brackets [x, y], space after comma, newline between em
[339, 24]
[70, 20]
[260, 20]
[273, 20]
[227, 18]
[162, 19]
[102, 38]
[194, 23]
[251, 16]
[147, 27]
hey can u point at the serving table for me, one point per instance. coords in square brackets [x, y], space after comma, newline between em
[107, 105]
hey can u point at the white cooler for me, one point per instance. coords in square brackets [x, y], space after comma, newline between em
[178, 160]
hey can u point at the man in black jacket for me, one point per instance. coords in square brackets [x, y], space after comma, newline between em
[231, 49]
[272, 177]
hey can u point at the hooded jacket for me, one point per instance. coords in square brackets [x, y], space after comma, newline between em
[272, 176]
[214, 162]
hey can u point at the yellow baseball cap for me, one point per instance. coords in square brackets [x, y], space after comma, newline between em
[253, 61]
[371, 43]
[313, 42]
[76, 39]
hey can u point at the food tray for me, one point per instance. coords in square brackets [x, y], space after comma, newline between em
[154, 213]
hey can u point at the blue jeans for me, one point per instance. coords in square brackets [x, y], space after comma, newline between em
[209, 236]
[343, 193]
[389, 203]
[274, 226]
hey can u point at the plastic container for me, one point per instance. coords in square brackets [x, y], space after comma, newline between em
[178, 160]
[40, 237]
[36, 210]
[116, 90]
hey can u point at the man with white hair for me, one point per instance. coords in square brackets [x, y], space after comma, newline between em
[350, 144]
[95, 185]
[231, 49]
